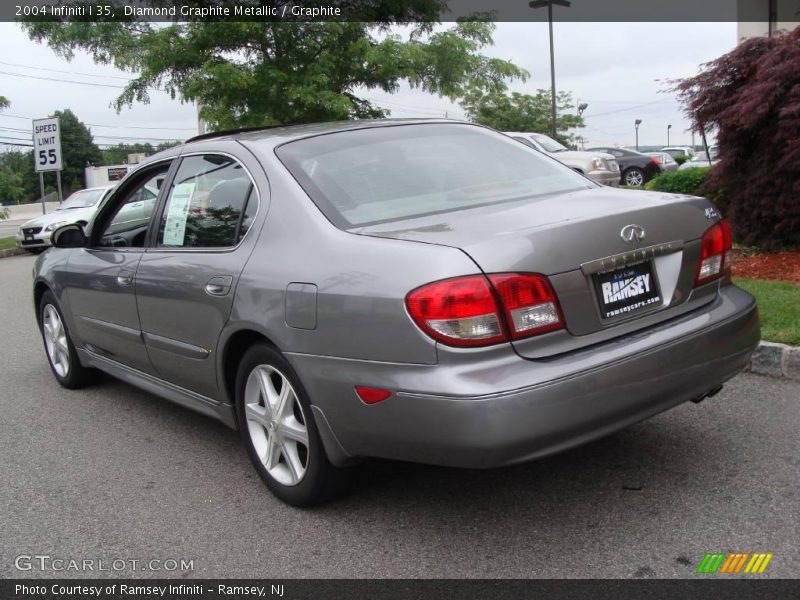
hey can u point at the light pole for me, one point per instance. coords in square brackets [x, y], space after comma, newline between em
[636, 123]
[668, 128]
[549, 4]
[582, 107]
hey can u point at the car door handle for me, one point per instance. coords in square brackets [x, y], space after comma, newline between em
[219, 286]
[125, 278]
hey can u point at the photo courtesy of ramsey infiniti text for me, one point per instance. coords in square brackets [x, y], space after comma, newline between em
[427, 291]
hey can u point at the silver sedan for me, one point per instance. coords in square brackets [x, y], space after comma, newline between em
[426, 291]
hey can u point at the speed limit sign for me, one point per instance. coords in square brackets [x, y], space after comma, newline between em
[47, 145]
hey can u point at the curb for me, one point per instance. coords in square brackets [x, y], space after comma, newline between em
[776, 360]
[11, 252]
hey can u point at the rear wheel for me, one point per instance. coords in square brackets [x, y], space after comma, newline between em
[61, 353]
[279, 432]
[634, 177]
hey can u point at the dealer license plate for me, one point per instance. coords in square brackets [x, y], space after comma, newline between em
[628, 289]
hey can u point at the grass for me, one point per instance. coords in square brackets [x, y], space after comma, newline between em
[7, 242]
[779, 308]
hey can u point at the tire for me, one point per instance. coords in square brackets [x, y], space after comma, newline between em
[58, 346]
[278, 429]
[633, 177]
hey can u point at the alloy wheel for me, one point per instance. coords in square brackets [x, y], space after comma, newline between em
[55, 340]
[276, 424]
[634, 178]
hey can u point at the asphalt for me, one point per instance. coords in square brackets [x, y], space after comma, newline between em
[113, 473]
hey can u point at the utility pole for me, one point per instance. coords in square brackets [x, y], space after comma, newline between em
[668, 128]
[549, 4]
[636, 124]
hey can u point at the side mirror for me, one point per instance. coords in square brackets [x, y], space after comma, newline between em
[69, 236]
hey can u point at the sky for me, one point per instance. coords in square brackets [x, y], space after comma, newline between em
[618, 69]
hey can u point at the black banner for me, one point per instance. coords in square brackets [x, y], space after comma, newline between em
[787, 11]
[396, 589]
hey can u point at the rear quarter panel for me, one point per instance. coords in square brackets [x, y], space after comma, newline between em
[361, 282]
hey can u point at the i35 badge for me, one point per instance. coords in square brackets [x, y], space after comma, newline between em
[632, 234]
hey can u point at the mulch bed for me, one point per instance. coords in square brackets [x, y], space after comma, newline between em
[784, 266]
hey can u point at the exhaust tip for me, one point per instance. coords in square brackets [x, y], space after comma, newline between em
[709, 394]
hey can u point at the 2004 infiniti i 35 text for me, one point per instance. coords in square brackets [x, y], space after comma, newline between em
[418, 290]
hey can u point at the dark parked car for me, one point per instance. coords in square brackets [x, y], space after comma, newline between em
[635, 168]
[428, 291]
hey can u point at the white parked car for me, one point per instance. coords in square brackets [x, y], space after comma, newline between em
[699, 161]
[599, 166]
[79, 207]
[679, 151]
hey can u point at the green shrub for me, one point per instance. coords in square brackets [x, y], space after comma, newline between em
[687, 181]
[680, 159]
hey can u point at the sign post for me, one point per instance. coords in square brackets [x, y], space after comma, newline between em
[47, 151]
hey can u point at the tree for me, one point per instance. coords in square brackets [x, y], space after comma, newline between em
[4, 103]
[77, 148]
[278, 72]
[522, 112]
[18, 167]
[751, 98]
[11, 186]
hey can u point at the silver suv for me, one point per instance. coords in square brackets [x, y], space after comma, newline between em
[599, 166]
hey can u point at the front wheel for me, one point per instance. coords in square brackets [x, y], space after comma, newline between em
[61, 353]
[634, 177]
[279, 431]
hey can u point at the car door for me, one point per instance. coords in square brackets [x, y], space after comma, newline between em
[100, 278]
[186, 280]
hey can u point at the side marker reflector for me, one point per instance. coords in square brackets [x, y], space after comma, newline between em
[371, 395]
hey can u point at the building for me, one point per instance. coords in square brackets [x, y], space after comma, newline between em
[764, 18]
[100, 176]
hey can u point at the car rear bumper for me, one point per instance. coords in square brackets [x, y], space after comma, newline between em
[502, 409]
[605, 177]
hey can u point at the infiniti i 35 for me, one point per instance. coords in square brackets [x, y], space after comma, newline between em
[427, 291]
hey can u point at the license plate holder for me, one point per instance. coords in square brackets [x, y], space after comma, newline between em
[628, 289]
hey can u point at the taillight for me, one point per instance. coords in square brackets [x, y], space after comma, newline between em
[715, 257]
[656, 160]
[470, 311]
[458, 312]
[530, 304]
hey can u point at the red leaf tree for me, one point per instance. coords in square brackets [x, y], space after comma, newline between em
[751, 97]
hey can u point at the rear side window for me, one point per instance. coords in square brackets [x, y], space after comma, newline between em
[211, 204]
[384, 174]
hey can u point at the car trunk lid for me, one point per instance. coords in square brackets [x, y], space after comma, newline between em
[576, 240]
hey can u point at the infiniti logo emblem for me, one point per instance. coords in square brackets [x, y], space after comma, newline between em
[632, 233]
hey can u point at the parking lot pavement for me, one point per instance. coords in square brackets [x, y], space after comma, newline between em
[112, 472]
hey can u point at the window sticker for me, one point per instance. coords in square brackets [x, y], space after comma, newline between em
[177, 214]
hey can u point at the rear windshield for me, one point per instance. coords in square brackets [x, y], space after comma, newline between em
[384, 174]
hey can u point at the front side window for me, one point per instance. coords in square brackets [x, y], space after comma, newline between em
[385, 174]
[549, 143]
[211, 204]
[127, 225]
